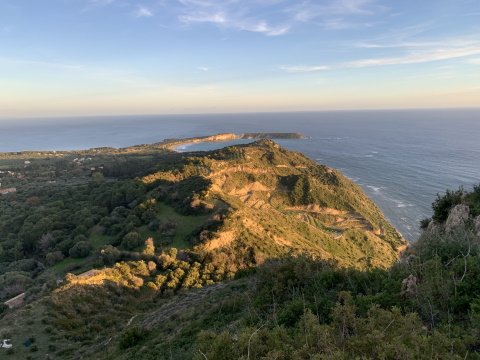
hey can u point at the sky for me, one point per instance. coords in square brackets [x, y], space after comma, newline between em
[120, 57]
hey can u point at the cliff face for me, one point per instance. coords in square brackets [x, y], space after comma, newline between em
[221, 137]
[281, 201]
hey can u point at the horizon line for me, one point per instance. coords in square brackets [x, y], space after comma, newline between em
[239, 112]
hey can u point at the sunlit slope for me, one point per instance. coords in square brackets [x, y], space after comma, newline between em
[279, 201]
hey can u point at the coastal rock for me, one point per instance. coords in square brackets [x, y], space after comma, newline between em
[457, 217]
[476, 224]
[433, 226]
[221, 137]
[409, 285]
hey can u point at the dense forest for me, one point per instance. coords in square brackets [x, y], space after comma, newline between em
[248, 252]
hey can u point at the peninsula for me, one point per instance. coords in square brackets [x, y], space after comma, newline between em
[173, 143]
[111, 253]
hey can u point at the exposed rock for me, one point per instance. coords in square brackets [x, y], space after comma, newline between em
[221, 137]
[16, 301]
[458, 216]
[433, 226]
[476, 223]
[409, 285]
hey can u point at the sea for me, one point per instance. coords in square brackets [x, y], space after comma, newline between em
[401, 158]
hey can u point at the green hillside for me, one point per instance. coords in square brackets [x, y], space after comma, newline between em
[159, 238]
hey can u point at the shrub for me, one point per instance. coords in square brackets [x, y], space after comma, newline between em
[443, 204]
[131, 240]
[54, 257]
[132, 337]
[110, 255]
[81, 249]
[3, 308]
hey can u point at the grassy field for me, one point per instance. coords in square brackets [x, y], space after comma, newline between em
[30, 338]
[184, 224]
[62, 265]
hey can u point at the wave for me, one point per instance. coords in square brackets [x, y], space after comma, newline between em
[376, 188]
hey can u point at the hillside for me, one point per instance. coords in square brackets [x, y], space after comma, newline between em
[152, 228]
[280, 201]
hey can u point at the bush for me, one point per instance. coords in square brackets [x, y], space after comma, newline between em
[110, 255]
[131, 240]
[3, 308]
[424, 223]
[54, 257]
[81, 249]
[443, 204]
[132, 337]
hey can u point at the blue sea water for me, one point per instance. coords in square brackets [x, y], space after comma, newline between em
[401, 158]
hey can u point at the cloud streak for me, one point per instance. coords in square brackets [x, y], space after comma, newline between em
[250, 15]
[474, 61]
[143, 12]
[421, 57]
[308, 10]
[302, 68]
[416, 52]
[41, 63]
[227, 16]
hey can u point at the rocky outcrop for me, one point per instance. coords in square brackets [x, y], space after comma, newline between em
[476, 224]
[409, 285]
[433, 226]
[220, 137]
[16, 301]
[457, 217]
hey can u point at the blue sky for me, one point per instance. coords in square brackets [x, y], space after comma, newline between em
[107, 57]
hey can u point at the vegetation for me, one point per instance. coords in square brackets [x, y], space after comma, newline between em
[248, 252]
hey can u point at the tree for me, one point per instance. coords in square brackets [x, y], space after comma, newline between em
[131, 240]
[32, 201]
[81, 249]
[54, 257]
[149, 247]
[98, 177]
[110, 255]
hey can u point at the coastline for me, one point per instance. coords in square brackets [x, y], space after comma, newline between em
[231, 136]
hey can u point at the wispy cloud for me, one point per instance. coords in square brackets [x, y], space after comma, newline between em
[415, 58]
[302, 68]
[143, 12]
[416, 53]
[41, 63]
[420, 57]
[204, 17]
[474, 61]
[227, 19]
[230, 15]
[203, 68]
[307, 10]
[452, 43]
[265, 17]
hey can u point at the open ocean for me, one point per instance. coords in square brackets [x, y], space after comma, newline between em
[401, 158]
